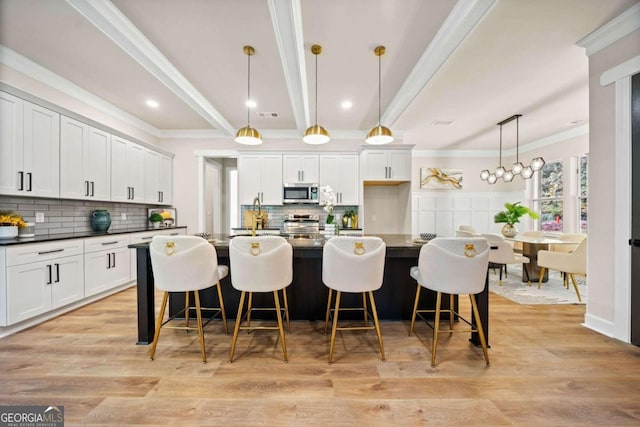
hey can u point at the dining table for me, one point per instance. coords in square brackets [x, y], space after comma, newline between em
[530, 247]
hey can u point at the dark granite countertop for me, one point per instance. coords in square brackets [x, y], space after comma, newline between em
[79, 235]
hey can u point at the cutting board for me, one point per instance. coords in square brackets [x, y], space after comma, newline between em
[248, 216]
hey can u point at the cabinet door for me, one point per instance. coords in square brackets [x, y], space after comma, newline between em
[249, 177]
[400, 165]
[98, 164]
[74, 137]
[329, 167]
[271, 180]
[151, 189]
[11, 138]
[41, 151]
[375, 165]
[28, 291]
[309, 167]
[135, 171]
[291, 172]
[67, 281]
[105, 270]
[349, 180]
[165, 179]
[119, 178]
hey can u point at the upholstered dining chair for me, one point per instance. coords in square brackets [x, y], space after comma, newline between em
[465, 233]
[353, 265]
[575, 238]
[468, 228]
[452, 266]
[185, 264]
[502, 254]
[260, 264]
[569, 263]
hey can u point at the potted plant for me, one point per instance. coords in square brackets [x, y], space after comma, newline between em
[511, 216]
[155, 219]
[9, 224]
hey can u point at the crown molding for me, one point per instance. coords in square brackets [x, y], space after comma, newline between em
[612, 31]
[286, 18]
[534, 145]
[464, 17]
[37, 72]
[115, 25]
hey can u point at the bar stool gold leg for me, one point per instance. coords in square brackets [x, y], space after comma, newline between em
[436, 329]
[156, 336]
[364, 307]
[286, 309]
[326, 318]
[374, 311]
[249, 311]
[280, 327]
[200, 331]
[476, 314]
[541, 277]
[223, 313]
[575, 285]
[415, 310]
[335, 326]
[186, 309]
[451, 313]
[236, 327]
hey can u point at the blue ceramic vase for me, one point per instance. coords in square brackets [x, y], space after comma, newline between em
[100, 220]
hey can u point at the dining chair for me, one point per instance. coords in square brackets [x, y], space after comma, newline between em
[465, 233]
[469, 228]
[353, 265]
[452, 266]
[575, 238]
[570, 263]
[260, 264]
[185, 264]
[502, 254]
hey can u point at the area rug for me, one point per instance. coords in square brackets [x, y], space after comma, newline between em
[552, 292]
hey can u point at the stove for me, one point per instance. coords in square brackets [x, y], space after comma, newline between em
[301, 225]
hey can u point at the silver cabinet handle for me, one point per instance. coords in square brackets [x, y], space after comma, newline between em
[302, 172]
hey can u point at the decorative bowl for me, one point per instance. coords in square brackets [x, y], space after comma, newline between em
[428, 236]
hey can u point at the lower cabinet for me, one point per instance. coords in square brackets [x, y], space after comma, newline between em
[106, 262]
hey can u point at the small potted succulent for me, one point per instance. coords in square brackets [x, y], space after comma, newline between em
[511, 216]
[155, 219]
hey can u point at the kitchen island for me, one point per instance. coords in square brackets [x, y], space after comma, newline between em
[307, 295]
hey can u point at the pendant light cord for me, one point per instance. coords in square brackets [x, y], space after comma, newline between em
[500, 145]
[379, 86]
[316, 121]
[248, 90]
[517, 139]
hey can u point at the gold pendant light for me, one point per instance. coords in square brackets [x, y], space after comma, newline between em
[248, 135]
[316, 134]
[379, 135]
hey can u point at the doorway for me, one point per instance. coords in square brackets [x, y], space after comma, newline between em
[635, 209]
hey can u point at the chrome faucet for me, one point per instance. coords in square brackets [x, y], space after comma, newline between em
[256, 217]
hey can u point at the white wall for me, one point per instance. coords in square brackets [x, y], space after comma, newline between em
[601, 267]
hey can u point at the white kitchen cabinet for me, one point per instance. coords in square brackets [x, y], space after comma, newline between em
[127, 171]
[300, 168]
[340, 172]
[29, 148]
[107, 263]
[145, 237]
[85, 161]
[42, 277]
[157, 178]
[386, 165]
[260, 176]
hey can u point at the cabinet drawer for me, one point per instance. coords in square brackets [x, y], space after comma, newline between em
[146, 236]
[95, 244]
[23, 254]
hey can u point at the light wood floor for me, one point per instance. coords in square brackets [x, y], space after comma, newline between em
[546, 370]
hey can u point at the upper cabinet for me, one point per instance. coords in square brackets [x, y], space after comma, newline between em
[157, 178]
[300, 168]
[127, 164]
[260, 175]
[85, 161]
[29, 148]
[340, 172]
[386, 165]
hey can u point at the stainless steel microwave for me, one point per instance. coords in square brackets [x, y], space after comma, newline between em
[300, 193]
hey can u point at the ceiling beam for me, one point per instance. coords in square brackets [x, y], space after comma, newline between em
[286, 18]
[115, 25]
[464, 17]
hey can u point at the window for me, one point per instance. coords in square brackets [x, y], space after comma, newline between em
[549, 198]
[583, 173]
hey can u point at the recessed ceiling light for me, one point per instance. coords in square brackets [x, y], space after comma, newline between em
[251, 103]
[151, 103]
[574, 122]
[441, 122]
[346, 104]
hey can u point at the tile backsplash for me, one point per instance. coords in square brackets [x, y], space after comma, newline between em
[277, 214]
[69, 216]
